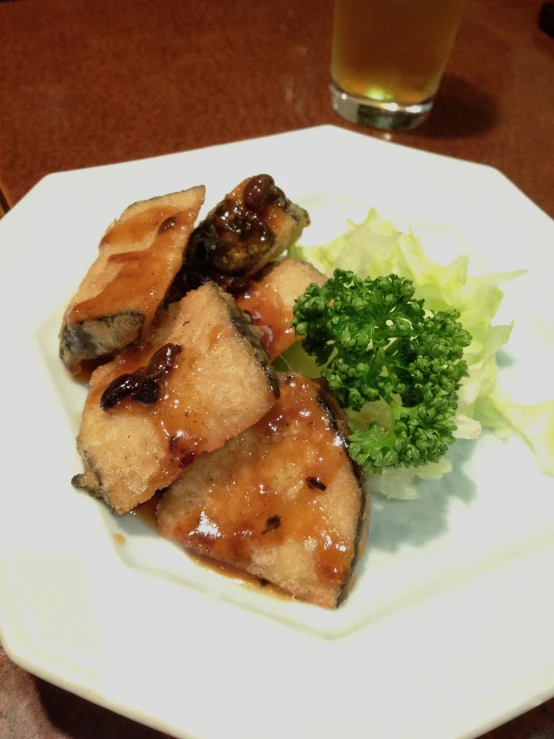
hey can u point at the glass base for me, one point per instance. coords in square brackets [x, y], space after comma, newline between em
[388, 116]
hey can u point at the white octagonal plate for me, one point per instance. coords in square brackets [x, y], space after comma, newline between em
[449, 629]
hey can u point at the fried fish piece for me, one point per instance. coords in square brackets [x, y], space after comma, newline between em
[204, 378]
[284, 501]
[269, 299]
[248, 229]
[139, 256]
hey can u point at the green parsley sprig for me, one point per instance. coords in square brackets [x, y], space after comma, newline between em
[376, 341]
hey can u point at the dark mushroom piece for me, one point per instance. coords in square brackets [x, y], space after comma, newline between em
[248, 229]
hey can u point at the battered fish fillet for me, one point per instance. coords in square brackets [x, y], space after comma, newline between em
[269, 299]
[283, 501]
[147, 418]
[138, 259]
[248, 229]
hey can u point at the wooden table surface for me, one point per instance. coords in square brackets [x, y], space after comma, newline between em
[98, 81]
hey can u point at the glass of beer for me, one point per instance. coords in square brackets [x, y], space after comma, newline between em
[389, 57]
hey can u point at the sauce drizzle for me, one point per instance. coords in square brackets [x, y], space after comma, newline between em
[144, 274]
[269, 313]
[260, 498]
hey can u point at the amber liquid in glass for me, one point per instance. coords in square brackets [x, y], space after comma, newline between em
[393, 50]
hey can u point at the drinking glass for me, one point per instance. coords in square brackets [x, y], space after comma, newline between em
[389, 57]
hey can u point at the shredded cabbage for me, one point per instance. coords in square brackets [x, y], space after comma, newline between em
[533, 423]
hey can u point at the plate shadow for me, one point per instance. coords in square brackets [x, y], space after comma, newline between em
[395, 523]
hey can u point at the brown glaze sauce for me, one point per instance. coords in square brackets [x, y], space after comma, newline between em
[243, 578]
[270, 314]
[135, 228]
[144, 274]
[245, 226]
[147, 514]
[252, 211]
[236, 223]
[147, 511]
[266, 483]
[180, 421]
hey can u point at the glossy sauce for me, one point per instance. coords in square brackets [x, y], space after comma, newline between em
[246, 225]
[144, 274]
[147, 511]
[270, 314]
[263, 499]
[147, 514]
[239, 576]
[234, 222]
[180, 422]
[257, 217]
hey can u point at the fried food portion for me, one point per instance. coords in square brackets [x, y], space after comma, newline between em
[139, 256]
[203, 378]
[269, 300]
[248, 229]
[283, 501]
